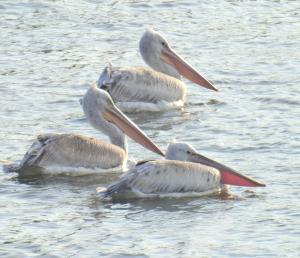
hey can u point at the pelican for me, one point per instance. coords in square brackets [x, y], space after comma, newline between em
[144, 89]
[70, 151]
[185, 172]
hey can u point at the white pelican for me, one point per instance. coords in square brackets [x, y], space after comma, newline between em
[143, 89]
[69, 151]
[185, 173]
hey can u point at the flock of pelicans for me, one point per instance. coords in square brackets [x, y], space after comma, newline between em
[183, 172]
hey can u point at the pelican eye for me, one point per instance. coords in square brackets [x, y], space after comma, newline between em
[104, 87]
[164, 43]
[191, 153]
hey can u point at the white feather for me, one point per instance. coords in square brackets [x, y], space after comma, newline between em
[137, 88]
[166, 178]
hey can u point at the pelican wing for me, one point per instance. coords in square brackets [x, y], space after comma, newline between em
[73, 151]
[167, 176]
[137, 84]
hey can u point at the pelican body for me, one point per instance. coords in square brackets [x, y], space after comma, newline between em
[144, 89]
[72, 151]
[185, 173]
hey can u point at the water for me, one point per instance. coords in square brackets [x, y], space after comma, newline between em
[52, 50]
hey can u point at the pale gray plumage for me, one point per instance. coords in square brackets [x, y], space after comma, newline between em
[186, 173]
[71, 150]
[145, 86]
[138, 84]
[78, 151]
[180, 151]
[96, 101]
[174, 175]
[166, 176]
[151, 45]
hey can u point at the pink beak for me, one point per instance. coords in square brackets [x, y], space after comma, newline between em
[115, 116]
[170, 57]
[228, 175]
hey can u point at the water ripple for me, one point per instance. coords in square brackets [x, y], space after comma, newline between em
[52, 51]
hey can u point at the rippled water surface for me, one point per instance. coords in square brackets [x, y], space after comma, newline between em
[51, 51]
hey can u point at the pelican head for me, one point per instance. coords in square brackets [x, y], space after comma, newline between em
[103, 115]
[157, 53]
[185, 152]
[180, 151]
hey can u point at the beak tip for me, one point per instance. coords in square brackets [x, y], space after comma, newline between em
[162, 153]
[258, 184]
[212, 87]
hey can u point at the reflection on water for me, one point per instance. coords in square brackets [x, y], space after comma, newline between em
[77, 180]
[51, 51]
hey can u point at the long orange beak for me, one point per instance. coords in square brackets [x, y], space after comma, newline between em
[228, 175]
[170, 57]
[115, 116]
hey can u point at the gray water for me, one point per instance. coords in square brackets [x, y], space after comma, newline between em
[51, 51]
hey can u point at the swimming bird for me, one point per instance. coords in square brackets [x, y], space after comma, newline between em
[144, 89]
[74, 151]
[185, 172]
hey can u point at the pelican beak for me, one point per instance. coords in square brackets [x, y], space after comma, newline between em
[228, 175]
[115, 116]
[170, 57]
